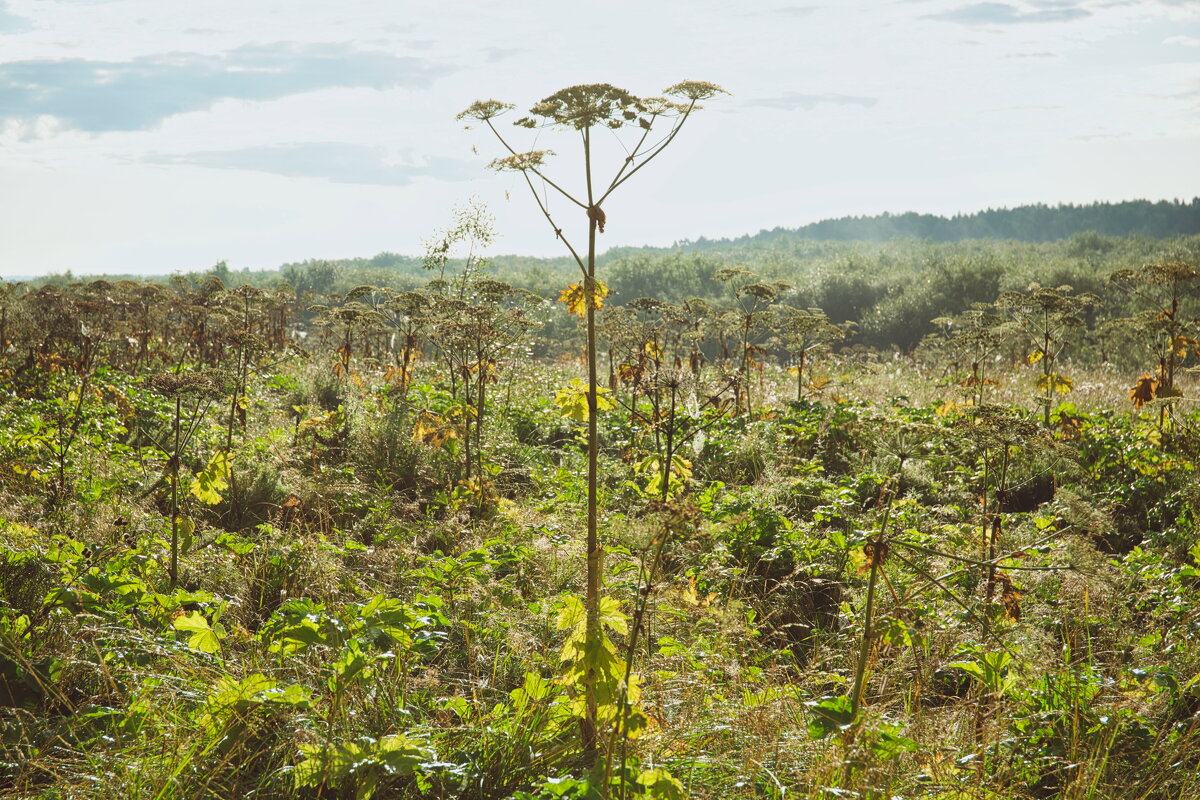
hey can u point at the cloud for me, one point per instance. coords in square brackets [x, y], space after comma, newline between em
[493, 55]
[1094, 137]
[1037, 54]
[10, 22]
[1186, 41]
[793, 100]
[785, 11]
[1006, 14]
[334, 161]
[139, 94]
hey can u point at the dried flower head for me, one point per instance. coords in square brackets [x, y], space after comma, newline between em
[590, 104]
[178, 384]
[660, 106]
[483, 110]
[694, 90]
[996, 426]
[519, 162]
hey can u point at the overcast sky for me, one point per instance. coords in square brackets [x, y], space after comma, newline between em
[161, 135]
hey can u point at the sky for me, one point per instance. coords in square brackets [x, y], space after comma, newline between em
[153, 136]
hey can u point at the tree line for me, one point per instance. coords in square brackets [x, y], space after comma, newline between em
[1038, 222]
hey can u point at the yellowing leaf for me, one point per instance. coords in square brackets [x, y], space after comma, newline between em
[203, 637]
[433, 430]
[572, 401]
[212, 480]
[486, 369]
[658, 784]
[186, 528]
[577, 299]
[651, 348]
[1010, 598]
[948, 407]
[29, 472]
[1059, 384]
[1143, 391]
[857, 561]
[1035, 357]
[693, 598]
[317, 423]
[681, 467]
[1184, 345]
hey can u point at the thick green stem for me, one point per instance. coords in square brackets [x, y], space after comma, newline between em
[876, 551]
[864, 651]
[175, 496]
[595, 553]
[670, 461]
[800, 378]
[746, 360]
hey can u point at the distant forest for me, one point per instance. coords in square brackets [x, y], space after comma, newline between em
[1035, 223]
[1038, 223]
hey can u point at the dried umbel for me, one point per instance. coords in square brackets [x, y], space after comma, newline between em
[1164, 273]
[483, 110]
[876, 552]
[185, 384]
[588, 105]
[695, 90]
[996, 426]
[520, 162]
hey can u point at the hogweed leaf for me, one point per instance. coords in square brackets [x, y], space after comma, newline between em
[572, 401]
[1059, 384]
[1143, 391]
[202, 636]
[658, 784]
[577, 298]
[212, 480]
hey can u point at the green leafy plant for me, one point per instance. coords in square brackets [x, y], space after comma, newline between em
[360, 765]
[193, 394]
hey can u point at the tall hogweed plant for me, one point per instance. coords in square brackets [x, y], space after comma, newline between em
[654, 122]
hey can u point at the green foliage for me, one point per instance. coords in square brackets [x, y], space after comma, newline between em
[572, 401]
[989, 668]
[362, 764]
[586, 660]
[829, 715]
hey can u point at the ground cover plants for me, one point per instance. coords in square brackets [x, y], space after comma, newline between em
[303, 540]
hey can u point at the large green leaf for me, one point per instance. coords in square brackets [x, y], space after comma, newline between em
[203, 637]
